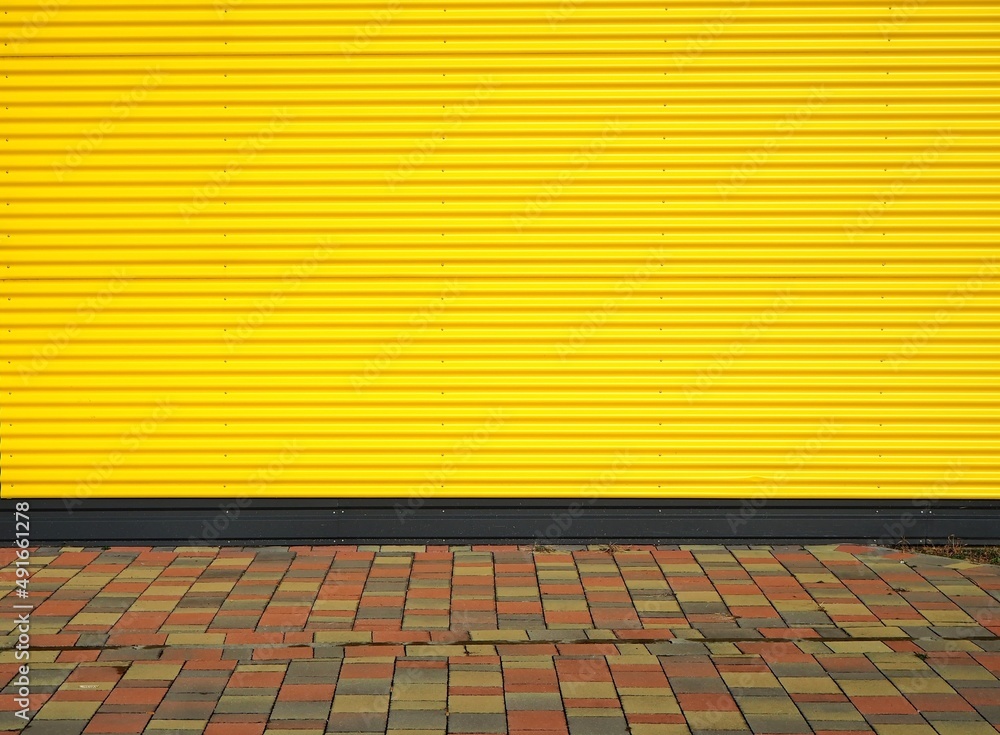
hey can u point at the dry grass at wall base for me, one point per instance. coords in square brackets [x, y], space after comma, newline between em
[955, 548]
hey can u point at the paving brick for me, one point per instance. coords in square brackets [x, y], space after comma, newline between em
[418, 719]
[357, 722]
[67, 710]
[487, 724]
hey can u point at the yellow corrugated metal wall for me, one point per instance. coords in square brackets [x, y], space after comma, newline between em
[690, 248]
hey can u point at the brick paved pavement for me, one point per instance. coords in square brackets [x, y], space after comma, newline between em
[573, 641]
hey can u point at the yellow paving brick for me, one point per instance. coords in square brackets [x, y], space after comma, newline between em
[336, 605]
[299, 586]
[723, 649]
[857, 646]
[904, 730]
[881, 632]
[927, 684]
[566, 605]
[107, 619]
[212, 586]
[136, 572]
[946, 617]
[588, 690]
[164, 592]
[963, 728]
[767, 706]
[749, 679]
[157, 671]
[87, 686]
[257, 668]
[868, 688]
[67, 710]
[361, 703]
[481, 679]
[964, 673]
[646, 729]
[745, 600]
[412, 691]
[698, 597]
[648, 606]
[661, 704]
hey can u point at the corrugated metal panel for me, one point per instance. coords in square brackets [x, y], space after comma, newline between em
[691, 248]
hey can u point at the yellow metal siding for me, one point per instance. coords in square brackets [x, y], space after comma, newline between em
[690, 248]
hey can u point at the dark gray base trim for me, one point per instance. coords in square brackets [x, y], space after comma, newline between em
[305, 521]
